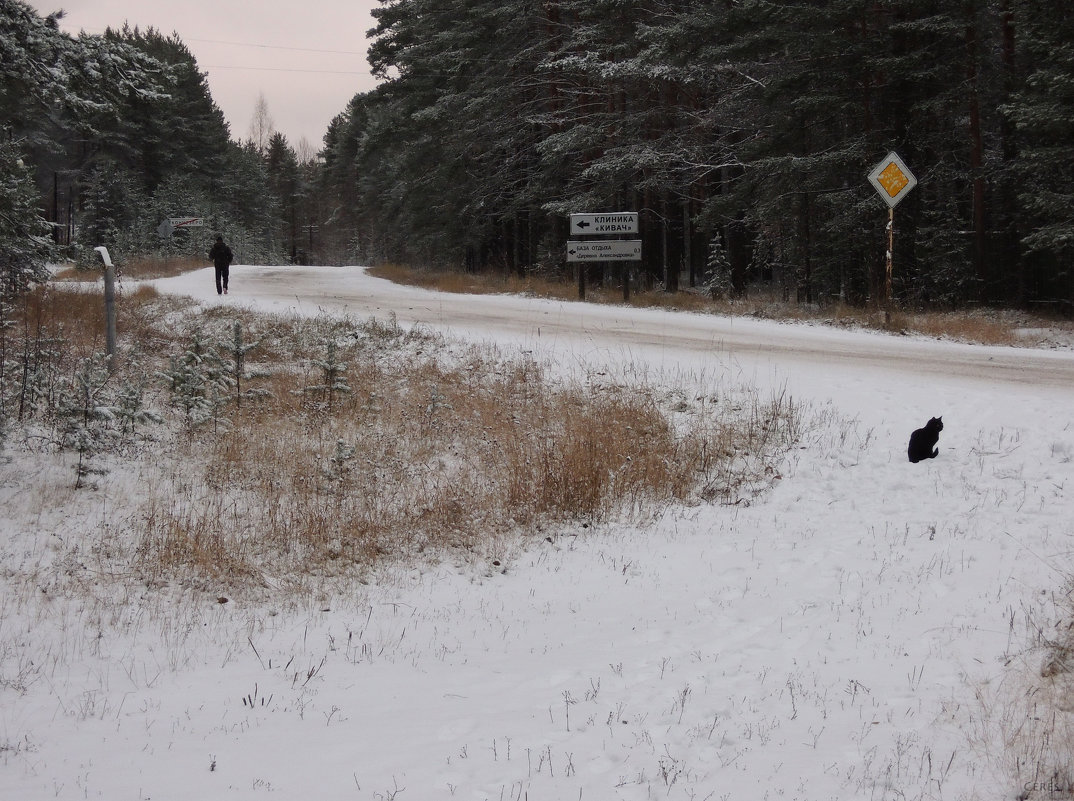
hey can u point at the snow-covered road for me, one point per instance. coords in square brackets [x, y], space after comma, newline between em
[531, 320]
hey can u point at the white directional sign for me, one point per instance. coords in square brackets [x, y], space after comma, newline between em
[167, 227]
[892, 179]
[604, 250]
[619, 222]
[187, 222]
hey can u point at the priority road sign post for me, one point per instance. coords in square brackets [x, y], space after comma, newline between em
[893, 181]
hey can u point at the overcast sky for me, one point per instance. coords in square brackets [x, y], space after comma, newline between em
[308, 58]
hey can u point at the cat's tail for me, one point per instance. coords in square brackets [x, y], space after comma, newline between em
[933, 455]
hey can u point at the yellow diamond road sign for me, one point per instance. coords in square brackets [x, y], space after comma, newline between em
[892, 179]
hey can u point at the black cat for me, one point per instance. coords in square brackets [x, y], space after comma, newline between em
[923, 441]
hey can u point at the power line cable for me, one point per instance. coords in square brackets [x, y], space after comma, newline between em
[279, 47]
[282, 69]
[100, 31]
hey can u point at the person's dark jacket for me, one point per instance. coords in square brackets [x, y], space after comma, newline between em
[221, 254]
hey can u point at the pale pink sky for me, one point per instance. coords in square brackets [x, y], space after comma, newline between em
[307, 58]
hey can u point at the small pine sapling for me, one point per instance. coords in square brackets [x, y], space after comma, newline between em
[218, 384]
[338, 469]
[237, 369]
[130, 402]
[38, 372]
[185, 381]
[437, 403]
[332, 373]
[200, 383]
[717, 278]
[338, 461]
[85, 415]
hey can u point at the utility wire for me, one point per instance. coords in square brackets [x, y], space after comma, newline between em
[279, 47]
[184, 39]
[283, 69]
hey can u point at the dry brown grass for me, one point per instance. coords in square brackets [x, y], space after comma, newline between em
[143, 267]
[1025, 725]
[435, 450]
[475, 284]
[962, 326]
[76, 314]
[163, 267]
[981, 327]
[427, 459]
[76, 317]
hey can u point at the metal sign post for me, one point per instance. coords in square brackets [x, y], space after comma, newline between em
[581, 251]
[893, 181]
[109, 306]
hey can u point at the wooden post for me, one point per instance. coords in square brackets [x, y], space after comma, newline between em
[892, 180]
[889, 264]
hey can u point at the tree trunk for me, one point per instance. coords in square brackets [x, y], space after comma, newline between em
[687, 237]
[976, 157]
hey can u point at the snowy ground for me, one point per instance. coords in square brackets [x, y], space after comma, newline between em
[846, 637]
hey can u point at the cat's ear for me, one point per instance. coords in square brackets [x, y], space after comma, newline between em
[939, 419]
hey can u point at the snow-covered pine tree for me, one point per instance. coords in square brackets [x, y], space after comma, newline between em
[237, 369]
[717, 278]
[36, 373]
[111, 204]
[84, 414]
[24, 242]
[217, 386]
[333, 381]
[199, 382]
[338, 467]
[1042, 168]
[130, 401]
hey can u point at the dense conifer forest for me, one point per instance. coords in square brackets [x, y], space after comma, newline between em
[741, 131]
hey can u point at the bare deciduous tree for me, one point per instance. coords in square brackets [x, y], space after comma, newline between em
[305, 152]
[262, 126]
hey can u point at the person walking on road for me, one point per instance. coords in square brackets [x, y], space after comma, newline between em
[221, 257]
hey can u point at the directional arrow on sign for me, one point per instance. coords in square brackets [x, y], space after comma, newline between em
[614, 222]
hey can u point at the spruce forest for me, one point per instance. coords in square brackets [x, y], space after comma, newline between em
[742, 132]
